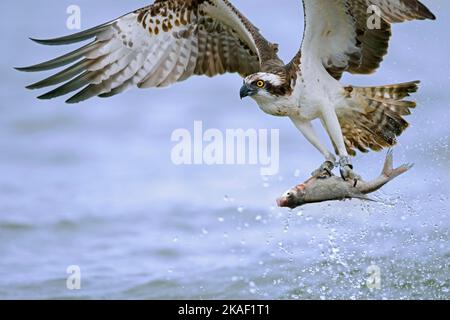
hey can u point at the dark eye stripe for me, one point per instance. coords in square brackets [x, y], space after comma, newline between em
[277, 90]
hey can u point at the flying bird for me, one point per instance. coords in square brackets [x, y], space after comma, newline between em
[172, 40]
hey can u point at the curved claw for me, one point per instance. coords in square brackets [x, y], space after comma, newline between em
[348, 174]
[346, 169]
[325, 170]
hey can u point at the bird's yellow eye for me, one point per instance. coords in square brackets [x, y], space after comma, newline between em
[260, 84]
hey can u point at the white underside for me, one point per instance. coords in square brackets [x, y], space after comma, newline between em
[316, 95]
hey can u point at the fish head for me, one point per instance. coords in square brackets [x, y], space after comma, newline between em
[293, 198]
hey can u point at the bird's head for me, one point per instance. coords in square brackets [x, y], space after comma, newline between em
[264, 86]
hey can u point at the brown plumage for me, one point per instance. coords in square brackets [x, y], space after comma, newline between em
[374, 118]
[373, 44]
[156, 46]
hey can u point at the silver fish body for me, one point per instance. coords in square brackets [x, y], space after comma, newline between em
[319, 189]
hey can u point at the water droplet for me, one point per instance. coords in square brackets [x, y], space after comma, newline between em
[228, 199]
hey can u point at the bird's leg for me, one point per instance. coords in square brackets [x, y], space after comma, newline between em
[333, 127]
[307, 129]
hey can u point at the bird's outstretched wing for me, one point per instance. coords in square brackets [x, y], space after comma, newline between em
[156, 46]
[341, 34]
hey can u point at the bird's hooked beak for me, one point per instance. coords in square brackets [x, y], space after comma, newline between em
[247, 91]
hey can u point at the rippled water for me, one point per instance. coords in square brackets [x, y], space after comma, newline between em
[93, 185]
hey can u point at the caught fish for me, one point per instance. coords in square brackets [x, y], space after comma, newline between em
[333, 188]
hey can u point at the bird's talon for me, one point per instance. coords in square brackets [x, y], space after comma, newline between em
[346, 169]
[348, 174]
[325, 170]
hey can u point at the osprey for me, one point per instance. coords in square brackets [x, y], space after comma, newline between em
[172, 40]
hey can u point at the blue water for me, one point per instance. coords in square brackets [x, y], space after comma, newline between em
[93, 184]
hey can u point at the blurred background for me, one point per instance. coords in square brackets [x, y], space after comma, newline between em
[93, 184]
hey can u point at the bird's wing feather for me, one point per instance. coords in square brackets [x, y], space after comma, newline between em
[157, 46]
[338, 34]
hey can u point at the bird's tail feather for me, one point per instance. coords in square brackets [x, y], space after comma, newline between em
[373, 118]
